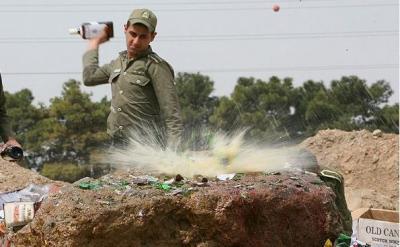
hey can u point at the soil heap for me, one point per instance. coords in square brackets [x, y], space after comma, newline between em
[369, 163]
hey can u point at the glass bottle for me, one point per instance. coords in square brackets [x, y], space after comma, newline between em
[89, 30]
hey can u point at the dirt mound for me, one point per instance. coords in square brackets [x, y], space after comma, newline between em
[13, 177]
[280, 209]
[369, 163]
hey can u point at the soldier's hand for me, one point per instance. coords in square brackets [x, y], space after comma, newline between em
[103, 37]
[11, 143]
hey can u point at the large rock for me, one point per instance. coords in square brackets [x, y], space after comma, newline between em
[284, 209]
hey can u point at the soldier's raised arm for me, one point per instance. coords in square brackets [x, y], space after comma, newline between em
[93, 74]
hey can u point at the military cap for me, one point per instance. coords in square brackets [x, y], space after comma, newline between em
[145, 17]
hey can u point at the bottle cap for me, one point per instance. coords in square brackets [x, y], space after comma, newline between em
[74, 31]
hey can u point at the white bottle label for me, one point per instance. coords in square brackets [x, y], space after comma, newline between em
[94, 29]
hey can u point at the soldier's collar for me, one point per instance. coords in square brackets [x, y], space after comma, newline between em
[124, 54]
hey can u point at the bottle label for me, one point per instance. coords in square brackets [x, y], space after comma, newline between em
[93, 30]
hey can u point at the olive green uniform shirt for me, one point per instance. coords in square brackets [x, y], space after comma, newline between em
[143, 93]
[5, 129]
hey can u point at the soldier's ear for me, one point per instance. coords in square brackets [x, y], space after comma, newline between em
[153, 35]
[125, 28]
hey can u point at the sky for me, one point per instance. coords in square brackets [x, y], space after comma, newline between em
[321, 40]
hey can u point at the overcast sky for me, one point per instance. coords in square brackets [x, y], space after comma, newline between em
[307, 39]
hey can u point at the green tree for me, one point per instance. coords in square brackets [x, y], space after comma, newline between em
[226, 116]
[65, 171]
[320, 112]
[358, 102]
[308, 98]
[197, 104]
[263, 107]
[23, 114]
[68, 130]
[76, 125]
[387, 118]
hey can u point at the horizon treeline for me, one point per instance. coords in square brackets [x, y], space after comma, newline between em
[62, 140]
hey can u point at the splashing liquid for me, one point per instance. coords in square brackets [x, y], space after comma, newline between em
[225, 154]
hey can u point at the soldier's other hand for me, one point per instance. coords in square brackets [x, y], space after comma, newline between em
[11, 143]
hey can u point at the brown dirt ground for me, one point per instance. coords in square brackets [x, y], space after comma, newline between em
[13, 177]
[369, 164]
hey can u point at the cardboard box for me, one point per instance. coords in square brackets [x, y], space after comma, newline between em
[377, 227]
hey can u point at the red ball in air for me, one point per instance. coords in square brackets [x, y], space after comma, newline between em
[275, 7]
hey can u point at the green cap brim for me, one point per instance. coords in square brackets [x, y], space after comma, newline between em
[148, 25]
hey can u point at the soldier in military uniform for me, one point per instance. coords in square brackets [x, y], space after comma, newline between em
[142, 83]
[5, 130]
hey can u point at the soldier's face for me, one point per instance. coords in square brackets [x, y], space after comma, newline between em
[138, 38]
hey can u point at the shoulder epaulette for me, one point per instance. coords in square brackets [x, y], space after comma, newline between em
[155, 58]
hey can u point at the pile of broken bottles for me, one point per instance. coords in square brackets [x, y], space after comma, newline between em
[177, 185]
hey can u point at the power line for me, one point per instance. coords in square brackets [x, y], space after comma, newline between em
[42, 73]
[160, 3]
[210, 37]
[148, 4]
[302, 68]
[232, 38]
[231, 70]
[199, 9]
[230, 35]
